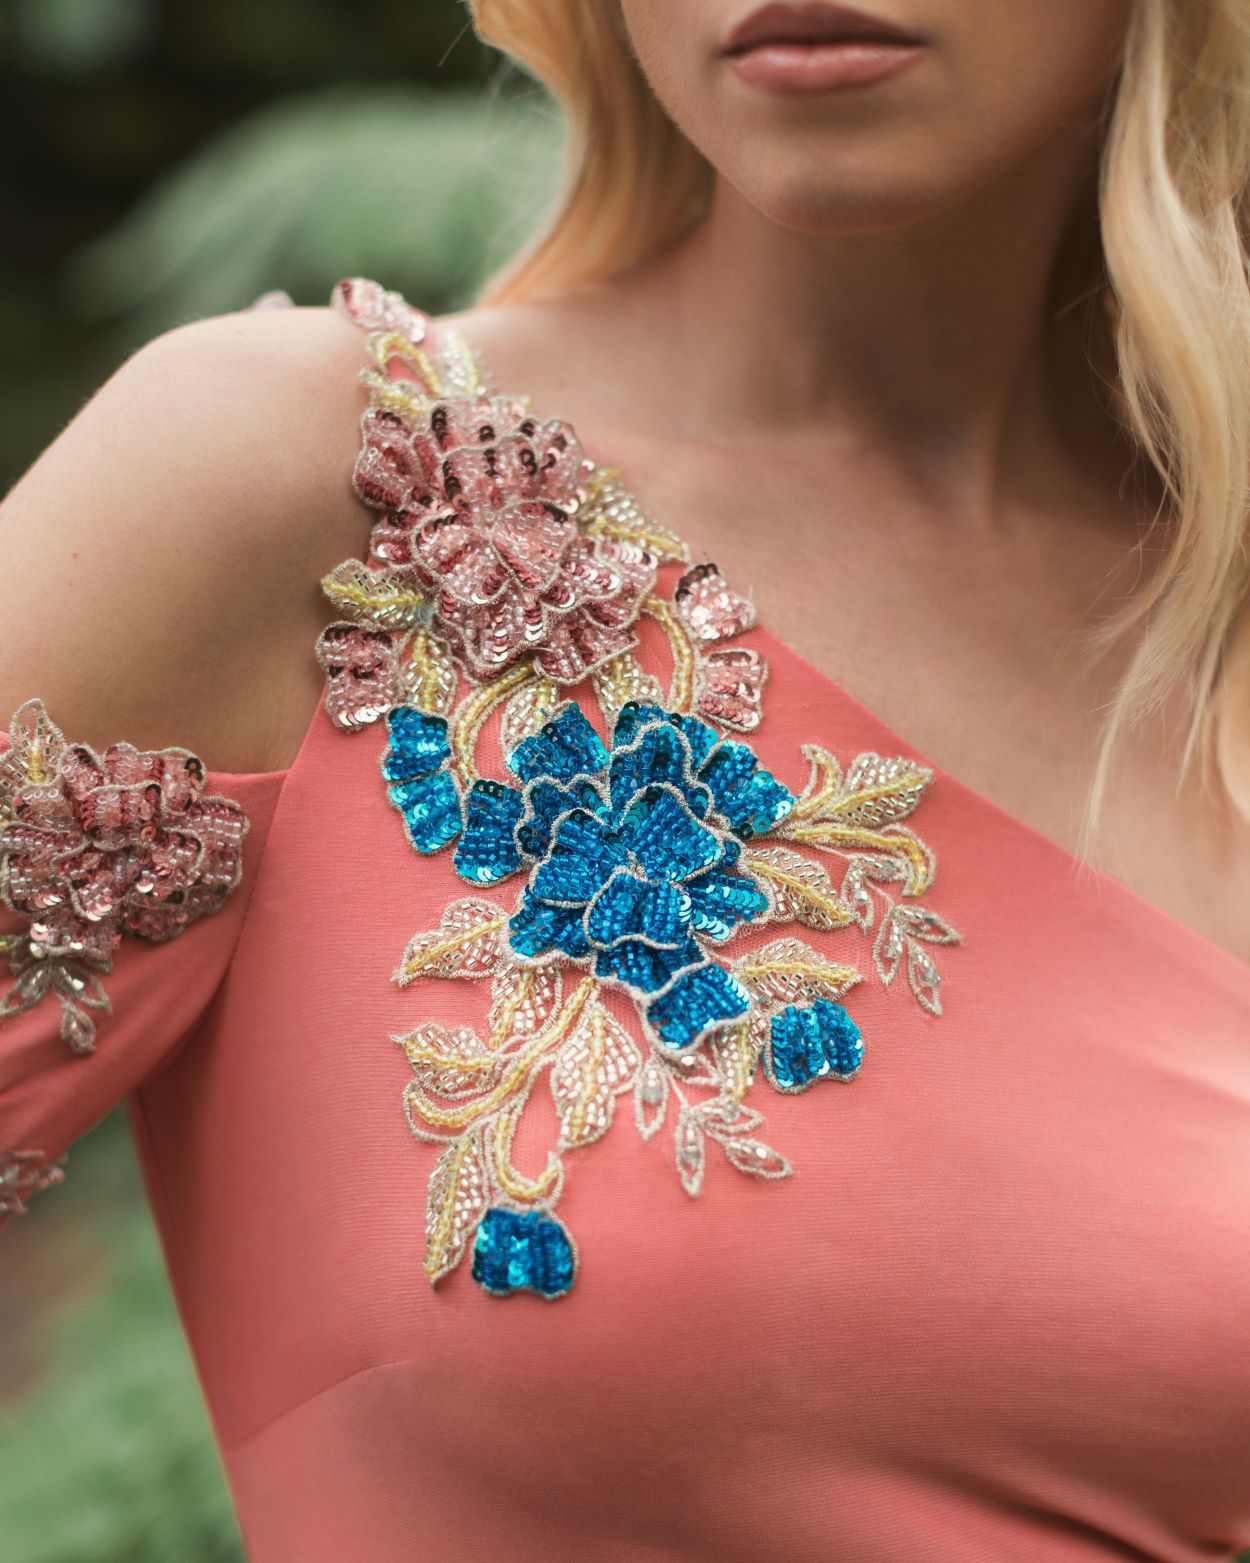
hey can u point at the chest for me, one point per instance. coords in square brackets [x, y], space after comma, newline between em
[978, 651]
[1022, 1223]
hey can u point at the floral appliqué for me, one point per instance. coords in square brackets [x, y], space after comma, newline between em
[506, 586]
[93, 846]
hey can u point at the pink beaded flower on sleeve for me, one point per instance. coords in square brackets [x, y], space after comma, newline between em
[96, 845]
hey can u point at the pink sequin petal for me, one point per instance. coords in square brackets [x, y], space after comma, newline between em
[731, 688]
[563, 465]
[457, 554]
[377, 309]
[470, 482]
[576, 645]
[362, 673]
[708, 607]
[387, 469]
[532, 539]
[45, 806]
[96, 882]
[221, 827]
[391, 542]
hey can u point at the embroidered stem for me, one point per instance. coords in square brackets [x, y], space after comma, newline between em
[383, 346]
[473, 713]
[841, 839]
[515, 1078]
[499, 1134]
[681, 694]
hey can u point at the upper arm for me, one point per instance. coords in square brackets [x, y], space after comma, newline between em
[161, 557]
[159, 570]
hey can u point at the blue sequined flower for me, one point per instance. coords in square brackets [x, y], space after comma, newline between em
[633, 855]
[416, 765]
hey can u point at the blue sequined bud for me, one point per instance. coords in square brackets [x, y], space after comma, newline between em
[523, 1251]
[416, 764]
[813, 1042]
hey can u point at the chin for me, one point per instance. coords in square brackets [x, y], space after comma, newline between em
[816, 200]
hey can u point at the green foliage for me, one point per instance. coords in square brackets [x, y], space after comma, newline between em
[109, 1458]
[425, 189]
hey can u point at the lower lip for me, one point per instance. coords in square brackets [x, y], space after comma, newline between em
[822, 67]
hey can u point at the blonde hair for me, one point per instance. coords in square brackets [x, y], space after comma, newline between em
[1172, 207]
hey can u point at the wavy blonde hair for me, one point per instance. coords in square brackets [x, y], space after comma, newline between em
[1171, 272]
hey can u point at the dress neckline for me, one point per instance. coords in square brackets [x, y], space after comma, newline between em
[1098, 880]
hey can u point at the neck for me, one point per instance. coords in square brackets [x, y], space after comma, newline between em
[943, 342]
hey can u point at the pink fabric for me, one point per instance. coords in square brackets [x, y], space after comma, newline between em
[1002, 1310]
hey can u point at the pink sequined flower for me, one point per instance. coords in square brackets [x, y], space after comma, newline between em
[481, 501]
[93, 846]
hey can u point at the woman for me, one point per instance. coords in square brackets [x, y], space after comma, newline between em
[928, 324]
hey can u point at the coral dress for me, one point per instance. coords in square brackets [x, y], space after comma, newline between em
[580, 1119]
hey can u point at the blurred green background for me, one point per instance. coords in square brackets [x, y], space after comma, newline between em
[164, 160]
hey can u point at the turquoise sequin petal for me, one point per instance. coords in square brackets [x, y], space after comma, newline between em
[636, 715]
[721, 901]
[537, 928]
[629, 907]
[642, 967]
[661, 754]
[749, 797]
[813, 1042]
[697, 1001]
[417, 746]
[430, 806]
[633, 716]
[563, 748]
[664, 836]
[488, 850]
[545, 802]
[583, 855]
[414, 763]
[523, 1251]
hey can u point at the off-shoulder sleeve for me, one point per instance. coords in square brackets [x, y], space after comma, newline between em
[124, 880]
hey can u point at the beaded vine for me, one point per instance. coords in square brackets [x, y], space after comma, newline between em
[23, 1173]
[505, 582]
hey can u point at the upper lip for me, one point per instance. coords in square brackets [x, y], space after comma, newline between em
[815, 22]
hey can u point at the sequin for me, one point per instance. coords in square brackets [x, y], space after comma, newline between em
[709, 607]
[814, 1042]
[416, 764]
[94, 846]
[377, 308]
[523, 1251]
[731, 688]
[362, 673]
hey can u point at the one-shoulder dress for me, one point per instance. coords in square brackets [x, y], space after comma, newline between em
[613, 1098]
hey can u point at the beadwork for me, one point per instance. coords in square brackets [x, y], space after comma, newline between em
[93, 846]
[504, 584]
[23, 1173]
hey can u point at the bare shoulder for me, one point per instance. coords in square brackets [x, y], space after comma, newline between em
[161, 558]
[555, 349]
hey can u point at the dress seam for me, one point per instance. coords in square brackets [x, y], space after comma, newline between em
[231, 1444]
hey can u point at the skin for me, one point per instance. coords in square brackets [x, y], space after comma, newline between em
[860, 385]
